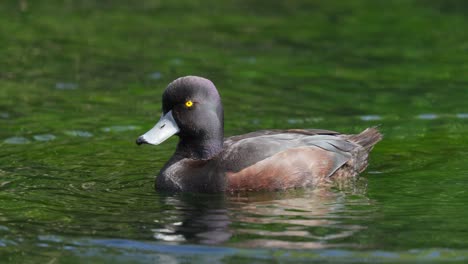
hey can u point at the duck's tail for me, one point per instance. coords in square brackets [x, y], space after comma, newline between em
[367, 138]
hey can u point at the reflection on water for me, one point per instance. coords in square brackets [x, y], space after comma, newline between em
[306, 219]
[64, 250]
[293, 219]
[194, 219]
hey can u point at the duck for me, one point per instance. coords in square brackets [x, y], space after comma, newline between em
[205, 161]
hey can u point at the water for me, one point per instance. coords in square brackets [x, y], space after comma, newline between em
[81, 80]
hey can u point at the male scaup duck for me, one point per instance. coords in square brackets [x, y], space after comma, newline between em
[205, 161]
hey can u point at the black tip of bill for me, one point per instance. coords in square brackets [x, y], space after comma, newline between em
[141, 140]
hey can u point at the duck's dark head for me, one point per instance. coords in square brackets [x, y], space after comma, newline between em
[192, 110]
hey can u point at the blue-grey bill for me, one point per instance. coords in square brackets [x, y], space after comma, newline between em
[164, 129]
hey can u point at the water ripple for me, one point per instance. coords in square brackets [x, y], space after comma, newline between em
[66, 86]
[155, 75]
[370, 117]
[120, 128]
[44, 137]
[428, 116]
[126, 250]
[17, 140]
[78, 133]
[4, 115]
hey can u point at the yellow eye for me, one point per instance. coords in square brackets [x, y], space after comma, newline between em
[189, 103]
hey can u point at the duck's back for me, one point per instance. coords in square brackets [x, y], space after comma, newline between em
[282, 159]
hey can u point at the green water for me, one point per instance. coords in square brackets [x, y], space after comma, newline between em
[81, 80]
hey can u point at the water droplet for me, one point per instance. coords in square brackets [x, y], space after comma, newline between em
[120, 128]
[78, 133]
[155, 75]
[44, 137]
[17, 140]
[370, 117]
[462, 115]
[428, 116]
[66, 86]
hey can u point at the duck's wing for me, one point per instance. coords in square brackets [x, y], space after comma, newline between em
[246, 150]
[309, 132]
[279, 159]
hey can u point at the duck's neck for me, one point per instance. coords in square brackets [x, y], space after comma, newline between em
[200, 149]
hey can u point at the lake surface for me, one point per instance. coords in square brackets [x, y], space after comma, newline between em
[81, 80]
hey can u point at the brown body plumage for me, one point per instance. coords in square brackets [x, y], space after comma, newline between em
[307, 165]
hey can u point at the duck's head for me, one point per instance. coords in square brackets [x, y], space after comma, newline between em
[192, 110]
